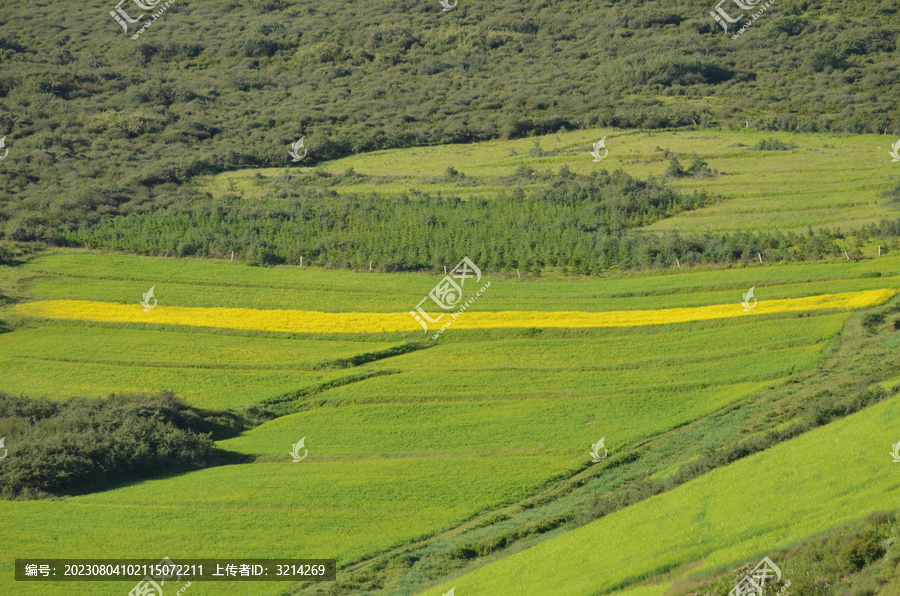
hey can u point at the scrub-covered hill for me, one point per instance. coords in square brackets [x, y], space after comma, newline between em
[97, 123]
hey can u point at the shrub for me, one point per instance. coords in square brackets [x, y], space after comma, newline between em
[697, 166]
[791, 25]
[872, 321]
[826, 58]
[772, 145]
[64, 448]
[862, 549]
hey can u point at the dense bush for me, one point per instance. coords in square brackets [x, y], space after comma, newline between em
[862, 549]
[696, 167]
[575, 223]
[773, 145]
[848, 561]
[892, 195]
[872, 321]
[99, 125]
[83, 444]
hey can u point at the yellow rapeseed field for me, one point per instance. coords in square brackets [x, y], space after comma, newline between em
[300, 321]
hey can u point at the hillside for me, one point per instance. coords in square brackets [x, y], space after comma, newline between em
[710, 522]
[542, 204]
[99, 124]
[428, 459]
[553, 297]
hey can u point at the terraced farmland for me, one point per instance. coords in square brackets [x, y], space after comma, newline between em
[403, 446]
[231, 327]
[816, 180]
[319, 322]
[212, 371]
[743, 511]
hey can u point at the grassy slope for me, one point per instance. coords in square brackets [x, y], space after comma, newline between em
[209, 371]
[824, 181]
[741, 511]
[494, 448]
[325, 508]
[96, 360]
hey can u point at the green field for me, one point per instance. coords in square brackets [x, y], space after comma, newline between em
[803, 487]
[223, 239]
[322, 509]
[480, 421]
[211, 371]
[217, 369]
[87, 275]
[822, 181]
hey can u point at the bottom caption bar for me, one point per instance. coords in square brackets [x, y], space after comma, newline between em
[156, 572]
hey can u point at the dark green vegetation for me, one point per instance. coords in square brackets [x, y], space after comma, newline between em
[83, 445]
[98, 124]
[697, 167]
[570, 220]
[578, 223]
[773, 145]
